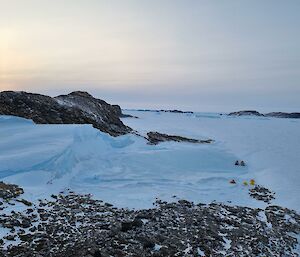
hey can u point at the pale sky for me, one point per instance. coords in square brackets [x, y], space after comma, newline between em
[213, 55]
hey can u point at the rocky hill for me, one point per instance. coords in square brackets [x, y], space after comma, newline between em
[292, 115]
[75, 108]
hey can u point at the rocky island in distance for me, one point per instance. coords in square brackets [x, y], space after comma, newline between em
[292, 115]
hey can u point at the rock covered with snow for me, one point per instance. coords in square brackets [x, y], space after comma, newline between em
[75, 108]
[77, 225]
[261, 193]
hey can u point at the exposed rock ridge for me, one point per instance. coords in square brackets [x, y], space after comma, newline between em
[246, 113]
[75, 108]
[156, 137]
[292, 115]
[171, 111]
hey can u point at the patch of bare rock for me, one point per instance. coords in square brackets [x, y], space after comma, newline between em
[292, 115]
[169, 111]
[9, 191]
[72, 225]
[156, 138]
[261, 193]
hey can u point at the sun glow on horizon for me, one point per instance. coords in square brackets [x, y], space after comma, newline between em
[200, 49]
[14, 60]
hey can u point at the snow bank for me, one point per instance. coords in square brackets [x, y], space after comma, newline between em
[125, 171]
[270, 146]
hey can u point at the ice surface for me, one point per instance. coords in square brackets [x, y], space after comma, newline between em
[269, 146]
[125, 171]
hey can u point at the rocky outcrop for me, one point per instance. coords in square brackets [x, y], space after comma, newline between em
[261, 193]
[156, 137]
[75, 108]
[177, 111]
[171, 111]
[292, 115]
[246, 113]
[71, 225]
[9, 191]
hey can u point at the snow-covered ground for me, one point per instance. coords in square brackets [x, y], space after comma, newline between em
[126, 171]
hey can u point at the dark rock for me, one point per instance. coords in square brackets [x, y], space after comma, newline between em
[147, 242]
[97, 254]
[75, 108]
[25, 237]
[128, 116]
[29, 211]
[25, 202]
[32, 229]
[54, 196]
[10, 237]
[25, 223]
[171, 111]
[186, 203]
[177, 111]
[156, 137]
[9, 191]
[137, 222]
[128, 225]
[262, 194]
[117, 109]
[246, 113]
[293, 115]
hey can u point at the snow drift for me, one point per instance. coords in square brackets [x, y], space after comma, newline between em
[127, 172]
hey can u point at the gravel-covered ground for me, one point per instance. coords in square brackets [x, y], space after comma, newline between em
[77, 225]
